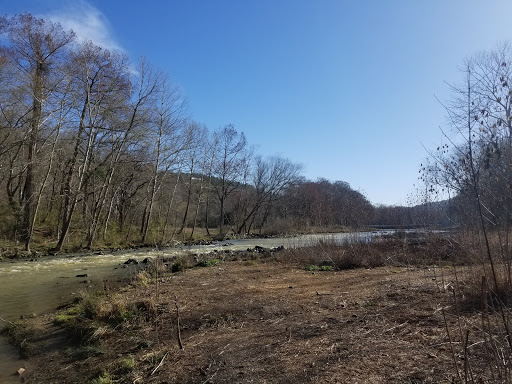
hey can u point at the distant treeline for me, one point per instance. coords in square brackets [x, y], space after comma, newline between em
[431, 214]
[95, 149]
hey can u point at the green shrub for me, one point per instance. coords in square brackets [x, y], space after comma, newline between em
[208, 263]
[105, 378]
[64, 320]
[126, 365]
[178, 266]
[19, 334]
[316, 268]
[85, 351]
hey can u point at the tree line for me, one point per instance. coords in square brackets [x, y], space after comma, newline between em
[95, 148]
[474, 164]
[467, 179]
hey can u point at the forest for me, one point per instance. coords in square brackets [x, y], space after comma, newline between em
[95, 149]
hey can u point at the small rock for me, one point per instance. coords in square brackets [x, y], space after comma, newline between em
[82, 275]
[20, 371]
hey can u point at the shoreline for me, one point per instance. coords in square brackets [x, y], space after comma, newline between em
[242, 318]
[14, 252]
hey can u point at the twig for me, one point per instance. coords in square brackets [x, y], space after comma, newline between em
[456, 303]
[442, 281]
[178, 322]
[439, 344]
[467, 366]
[451, 345]
[211, 377]
[477, 343]
[6, 321]
[395, 327]
[159, 364]
[466, 357]
[223, 349]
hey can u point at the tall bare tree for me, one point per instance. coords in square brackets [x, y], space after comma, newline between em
[167, 140]
[101, 88]
[230, 163]
[36, 48]
[270, 177]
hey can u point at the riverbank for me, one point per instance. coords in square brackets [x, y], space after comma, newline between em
[251, 322]
[42, 247]
[289, 317]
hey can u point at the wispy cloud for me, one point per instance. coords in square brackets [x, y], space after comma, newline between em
[88, 22]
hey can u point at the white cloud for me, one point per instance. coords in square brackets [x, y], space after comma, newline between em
[88, 22]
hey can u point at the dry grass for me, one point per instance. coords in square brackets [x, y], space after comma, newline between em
[268, 322]
[399, 250]
[389, 312]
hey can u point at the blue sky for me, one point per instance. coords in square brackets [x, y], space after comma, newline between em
[347, 88]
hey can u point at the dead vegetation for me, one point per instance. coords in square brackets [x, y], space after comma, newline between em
[270, 318]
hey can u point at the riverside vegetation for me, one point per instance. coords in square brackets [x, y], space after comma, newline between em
[405, 308]
[96, 151]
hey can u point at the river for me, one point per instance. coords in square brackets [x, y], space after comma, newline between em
[36, 287]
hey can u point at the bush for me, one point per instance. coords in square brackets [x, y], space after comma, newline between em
[208, 263]
[19, 334]
[395, 250]
[64, 320]
[105, 378]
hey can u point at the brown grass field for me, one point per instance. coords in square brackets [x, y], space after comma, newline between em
[271, 321]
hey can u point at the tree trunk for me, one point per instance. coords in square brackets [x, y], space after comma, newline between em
[187, 205]
[29, 187]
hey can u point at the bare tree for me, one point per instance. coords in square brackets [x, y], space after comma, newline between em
[478, 152]
[196, 151]
[229, 166]
[36, 48]
[168, 140]
[208, 156]
[101, 88]
[270, 178]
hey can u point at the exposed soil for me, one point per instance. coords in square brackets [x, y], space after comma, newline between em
[252, 322]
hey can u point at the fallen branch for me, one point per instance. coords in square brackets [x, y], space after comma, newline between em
[159, 364]
[395, 327]
[211, 377]
[451, 345]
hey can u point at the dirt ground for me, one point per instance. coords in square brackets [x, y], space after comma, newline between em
[254, 322]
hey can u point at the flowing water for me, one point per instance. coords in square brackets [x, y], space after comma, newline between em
[29, 288]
